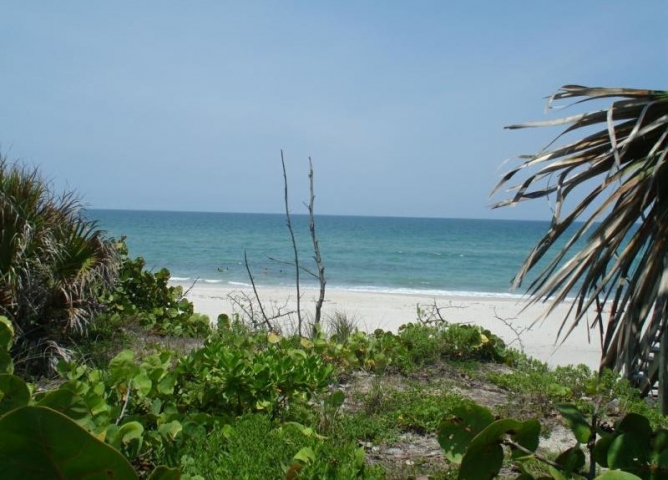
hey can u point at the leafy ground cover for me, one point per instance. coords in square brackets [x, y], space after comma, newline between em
[160, 394]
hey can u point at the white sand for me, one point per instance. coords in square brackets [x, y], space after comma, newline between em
[389, 311]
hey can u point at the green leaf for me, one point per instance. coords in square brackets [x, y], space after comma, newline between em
[628, 452]
[6, 362]
[635, 423]
[556, 474]
[660, 440]
[38, 443]
[495, 432]
[14, 393]
[130, 431]
[456, 431]
[617, 475]
[601, 448]
[170, 430]
[122, 367]
[526, 435]
[125, 435]
[166, 384]
[305, 455]
[481, 463]
[165, 473]
[576, 421]
[660, 460]
[572, 460]
[143, 384]
[360, 457]
[68, 403]
[6, 333]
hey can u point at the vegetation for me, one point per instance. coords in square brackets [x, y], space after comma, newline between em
[53, 262]
[619, 172]
[337, 408]
[434, 400]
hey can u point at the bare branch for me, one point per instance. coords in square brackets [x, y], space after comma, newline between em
[257, 296]
[431, 314]
[294, 245]
[508, 322]
[316, 249]
[125, 404]
[292, 264]
[246, 304]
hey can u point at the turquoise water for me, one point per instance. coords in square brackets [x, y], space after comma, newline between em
[427, 255]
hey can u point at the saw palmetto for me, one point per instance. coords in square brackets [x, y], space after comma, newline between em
[609, 193]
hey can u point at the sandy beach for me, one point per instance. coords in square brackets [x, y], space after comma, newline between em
[524, 329]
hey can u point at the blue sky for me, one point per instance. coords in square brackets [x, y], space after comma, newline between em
[401, 105]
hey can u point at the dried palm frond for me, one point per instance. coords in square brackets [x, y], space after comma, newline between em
[621, 273]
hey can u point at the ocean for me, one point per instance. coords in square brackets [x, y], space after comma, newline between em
[382, 254]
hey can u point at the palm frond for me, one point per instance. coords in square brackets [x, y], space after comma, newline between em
[621, 174]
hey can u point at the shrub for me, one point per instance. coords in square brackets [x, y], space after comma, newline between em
[258, 375]
[255, 447]
[148, 299]
[53, 263]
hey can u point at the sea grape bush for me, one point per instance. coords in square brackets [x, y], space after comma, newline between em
[147, 298]
[429, 343]
[472, 438]
[131, 406]
[260, 376]
[53, 434]
[413, 346]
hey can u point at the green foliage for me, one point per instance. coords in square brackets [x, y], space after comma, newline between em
[52, 438]
[536, 389]
[130, 405]
[38, 443]
[631, 450]
[415, 345]
[53, 262]
[255, 447]
[428, 343]
[420, 408]
[534, 383]
[262, 372]
[14, 393]
[147, 298]
[470, 434]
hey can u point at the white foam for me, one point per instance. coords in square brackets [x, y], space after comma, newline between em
[431, 292]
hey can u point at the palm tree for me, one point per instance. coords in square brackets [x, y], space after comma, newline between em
[621, 272]
[53, 263]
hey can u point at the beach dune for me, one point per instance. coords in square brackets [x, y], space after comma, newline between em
[523, 328]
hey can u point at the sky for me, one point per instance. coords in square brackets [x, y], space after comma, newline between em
[170, 105]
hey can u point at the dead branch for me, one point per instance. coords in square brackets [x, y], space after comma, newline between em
[294, 246]
[292, 264]
[431, 314]
[185, 294]
[518, 332]
[316, 249]
[257, 296]
[246, 305]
